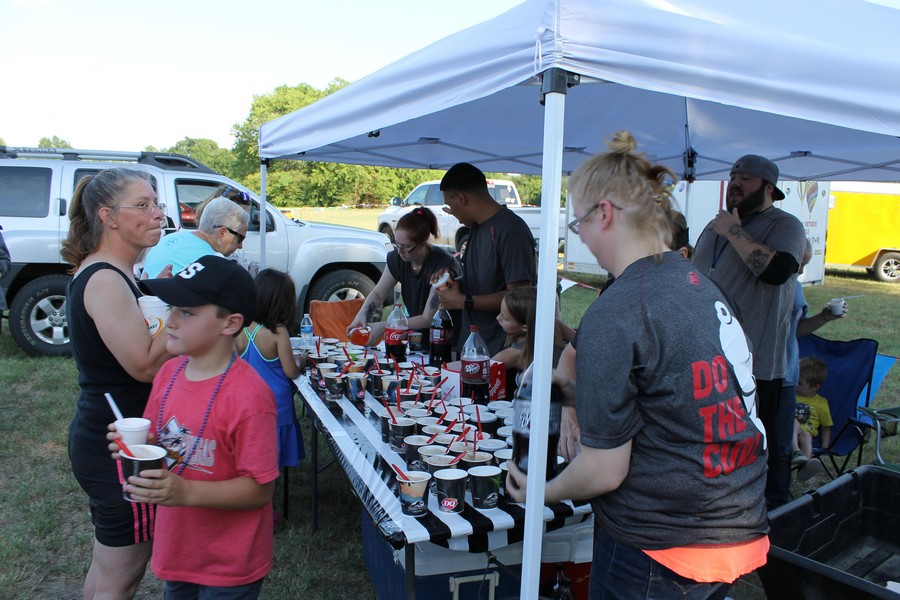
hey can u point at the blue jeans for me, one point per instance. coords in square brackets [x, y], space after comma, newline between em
[620, 572]
[179, 590]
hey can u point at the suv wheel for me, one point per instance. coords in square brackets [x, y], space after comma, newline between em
[343, 284]
[37, 317]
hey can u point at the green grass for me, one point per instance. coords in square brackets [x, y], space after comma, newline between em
[45, 531]
[364, 218]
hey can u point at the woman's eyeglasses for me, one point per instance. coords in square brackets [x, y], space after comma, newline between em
[147, 207]
[575, 225]
[406, 248]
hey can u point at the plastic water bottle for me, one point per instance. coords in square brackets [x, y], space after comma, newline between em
[306, 329]
[476, 368]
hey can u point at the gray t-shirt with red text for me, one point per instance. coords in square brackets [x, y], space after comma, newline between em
[663, 362]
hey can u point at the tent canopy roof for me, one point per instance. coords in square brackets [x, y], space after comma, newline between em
[811, 84]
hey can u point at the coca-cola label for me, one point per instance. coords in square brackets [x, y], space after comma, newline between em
[449, 503]
[522, 416]
[395, 336]
[440, 336]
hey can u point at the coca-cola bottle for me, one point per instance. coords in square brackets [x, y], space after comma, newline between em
[440, 338]
[395, 332]
[476, 366]
[522, 424]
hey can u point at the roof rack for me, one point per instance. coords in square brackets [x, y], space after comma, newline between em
[164, 160]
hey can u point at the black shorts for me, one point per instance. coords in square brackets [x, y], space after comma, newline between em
[117, 522]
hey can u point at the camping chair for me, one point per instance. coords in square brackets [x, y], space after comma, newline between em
[884, 420]
[330, 318]
[850, 367]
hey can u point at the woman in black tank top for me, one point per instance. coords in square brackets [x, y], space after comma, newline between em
[114, 217]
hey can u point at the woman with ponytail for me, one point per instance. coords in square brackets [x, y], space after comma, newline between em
[113, 218]
[672, 456]
[412, 263]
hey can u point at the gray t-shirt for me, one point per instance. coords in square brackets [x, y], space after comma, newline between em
[500, 251]
[764, 309]
[659, 360]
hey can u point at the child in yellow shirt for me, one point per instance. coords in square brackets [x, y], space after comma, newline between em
[812, 417]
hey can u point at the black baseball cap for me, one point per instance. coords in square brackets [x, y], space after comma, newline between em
[208, 280]
[762, 167]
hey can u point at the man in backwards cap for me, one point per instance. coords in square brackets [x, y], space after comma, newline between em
[753, 251]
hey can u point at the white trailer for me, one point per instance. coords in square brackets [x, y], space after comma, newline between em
[700, 202]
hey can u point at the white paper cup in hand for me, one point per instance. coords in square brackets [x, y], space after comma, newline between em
[155, 313]
[133, 430]
[837, 306]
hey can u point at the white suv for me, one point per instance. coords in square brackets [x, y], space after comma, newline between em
[326, 262]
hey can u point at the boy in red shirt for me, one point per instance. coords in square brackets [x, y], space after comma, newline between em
[217, 419]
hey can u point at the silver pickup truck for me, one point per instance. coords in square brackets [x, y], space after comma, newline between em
[454, 234]
[326, 262]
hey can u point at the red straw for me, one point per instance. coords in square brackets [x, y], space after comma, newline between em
[450, 426]
[124, 448]
[396, 366]
[432, 438]
[409, 385]
[346, 368]
[390, 414]
[399, 472]
[457, 459]
[441, 382]
[478, 416]
[462, 436]
[319, 347]
[347, 354]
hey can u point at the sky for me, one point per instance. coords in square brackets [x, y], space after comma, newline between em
[123, 75]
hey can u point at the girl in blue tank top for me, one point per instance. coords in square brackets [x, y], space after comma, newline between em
[266, 345]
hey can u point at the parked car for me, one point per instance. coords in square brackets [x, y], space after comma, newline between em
[454, 234]
[326, 262]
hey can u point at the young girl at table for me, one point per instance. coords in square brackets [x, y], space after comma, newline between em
[266, 345]
[517, 317]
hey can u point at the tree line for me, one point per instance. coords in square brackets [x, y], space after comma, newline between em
[306, 183]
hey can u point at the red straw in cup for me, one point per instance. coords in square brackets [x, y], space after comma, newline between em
[478, 416]
[457, 459]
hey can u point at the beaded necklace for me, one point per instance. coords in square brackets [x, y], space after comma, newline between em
[162, 406]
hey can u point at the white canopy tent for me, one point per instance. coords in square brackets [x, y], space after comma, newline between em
[811, 84]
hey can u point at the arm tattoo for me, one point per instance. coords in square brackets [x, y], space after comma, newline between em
[757, 261]
[737, 232]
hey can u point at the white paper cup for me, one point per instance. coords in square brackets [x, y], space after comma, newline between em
[133, 430]
[155, 313]
[837, 306]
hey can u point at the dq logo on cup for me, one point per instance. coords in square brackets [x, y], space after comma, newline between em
[449, 503]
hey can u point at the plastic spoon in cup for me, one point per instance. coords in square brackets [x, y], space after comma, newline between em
[124, 448]
[114, 406]
[450, 426]
[456, 459]
[400, 473]
[390, 413]
[465, 432]
[432, 438]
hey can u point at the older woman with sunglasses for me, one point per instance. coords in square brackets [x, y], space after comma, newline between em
[222, 230]
[412, 264]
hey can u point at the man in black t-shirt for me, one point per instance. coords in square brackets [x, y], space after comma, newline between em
[499, 256]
